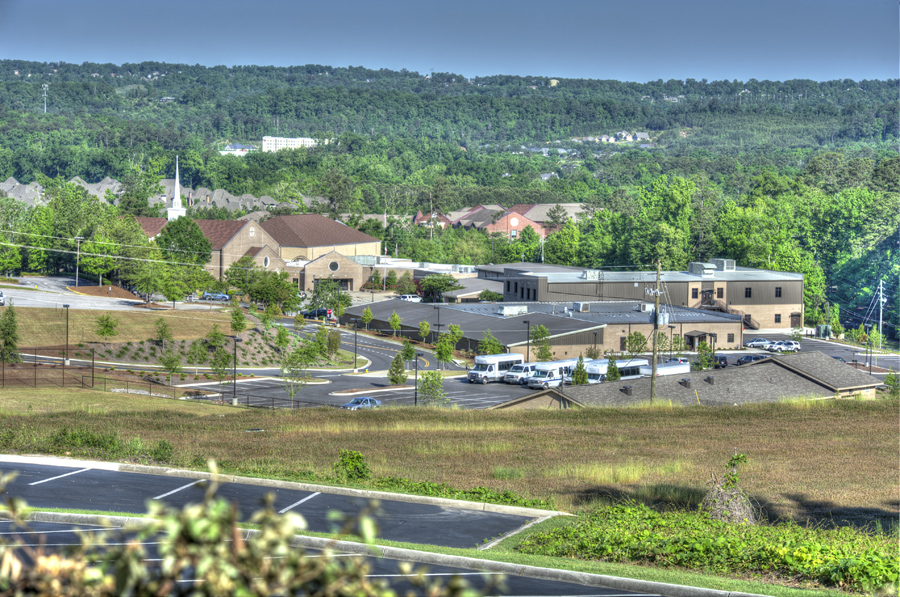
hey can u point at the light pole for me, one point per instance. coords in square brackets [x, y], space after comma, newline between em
[671, 339]
[438, 324]
[355, 321]
[234, 372]
[416, 400]
[78, 240]
[595, 344]
[66, 362]
[528, 341]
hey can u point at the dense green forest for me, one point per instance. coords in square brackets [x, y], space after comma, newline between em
[796, 175]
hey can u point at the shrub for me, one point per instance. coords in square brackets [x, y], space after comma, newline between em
[163, 451]
[351, 466]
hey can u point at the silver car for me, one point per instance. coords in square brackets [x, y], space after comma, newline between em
[360, 403]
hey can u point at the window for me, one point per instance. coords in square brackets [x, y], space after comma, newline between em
[516, 288]
[778, 318]
[512, 234]
[334, 266]
[748, 292]
[731, 338]
[694, 292]
[778, 292]
[507, 285]
[720, 293]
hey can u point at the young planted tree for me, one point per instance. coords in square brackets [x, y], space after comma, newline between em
[170, 361]
[238, 320]
[635, 344]
[390, 281]
[397, 372]
[424, 330]
[367, 317]
[408, 352]
[395, 322]
[443, 350]
[9, 336]
[705, 356]
[321, 339]
[579, 375]
[197, 354]
[282, 338]
[292, 364]
[163, 332]
[612, 371]
[215, 337]
[405, 285]
[107, 326]
[221, 364]
[489, 344]
[540, 341]
[431, 389]
[334, 343]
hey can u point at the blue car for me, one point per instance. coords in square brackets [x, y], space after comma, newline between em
[215, 296]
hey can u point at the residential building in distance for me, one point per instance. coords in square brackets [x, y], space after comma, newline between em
[237, 149]
[278, 143]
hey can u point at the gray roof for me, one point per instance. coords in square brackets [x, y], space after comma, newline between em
[649, 277]
[472, 286]
[768, 380]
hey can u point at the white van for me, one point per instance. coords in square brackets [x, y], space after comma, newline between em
[628, 369]
[670, 368]
[493, 367]
[413, 298]
[551, 374]
[519, 373]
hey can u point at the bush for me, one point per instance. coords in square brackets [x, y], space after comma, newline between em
[351, 466]
[163, 451]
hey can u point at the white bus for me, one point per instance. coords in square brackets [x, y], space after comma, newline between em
[493, 367]
[520, 373]
[671, 368]
[628, 369]
[551, 374]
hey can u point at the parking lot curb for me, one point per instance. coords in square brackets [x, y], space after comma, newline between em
[426, 557]
[278, 484]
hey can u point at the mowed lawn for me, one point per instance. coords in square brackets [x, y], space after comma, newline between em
[820, 460]
[47, 326]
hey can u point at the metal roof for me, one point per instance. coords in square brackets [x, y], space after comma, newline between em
[649, 277]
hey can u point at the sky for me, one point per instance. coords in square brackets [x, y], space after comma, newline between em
[625, 40]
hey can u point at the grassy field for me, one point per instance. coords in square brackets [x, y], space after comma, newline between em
[47, 327]
[824, 461]
[33, 402]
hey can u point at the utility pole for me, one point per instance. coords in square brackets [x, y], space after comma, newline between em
[880, 306]
[78, 240]
[655, 332]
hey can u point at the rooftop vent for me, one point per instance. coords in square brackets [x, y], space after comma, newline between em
[724, 265]
[710, 380]
[512, 310]
[581, 307]
[646, 308]
[704, 270]
[627, 390]
[590, 274]
[686, 382]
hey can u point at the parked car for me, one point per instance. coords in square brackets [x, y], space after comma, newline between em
[784, 346]
[750, 358]
[413, 298]
[315, 313]
[679, 360]
[2, 299]
[841, 359]
[757, 343]
[721, 361]
[360, 403]
[215, 296]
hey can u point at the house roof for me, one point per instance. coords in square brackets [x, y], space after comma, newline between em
[218, 232]
[768, 380]
[312, 230]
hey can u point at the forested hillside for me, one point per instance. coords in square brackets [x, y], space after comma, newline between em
[797, 175]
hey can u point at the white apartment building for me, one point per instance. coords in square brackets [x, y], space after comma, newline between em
[276, 143]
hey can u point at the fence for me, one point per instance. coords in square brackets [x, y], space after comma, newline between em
[258, 401]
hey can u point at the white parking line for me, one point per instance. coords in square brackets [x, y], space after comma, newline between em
[59, 476]
[179, 489]
[294, 505]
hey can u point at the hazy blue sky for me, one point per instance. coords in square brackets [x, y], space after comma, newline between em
[628, 40]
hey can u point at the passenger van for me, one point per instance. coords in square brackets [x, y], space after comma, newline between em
[628, 369]
[551, 374]
[413, 298]
[493, 367]
[670, 368]
[520, 373]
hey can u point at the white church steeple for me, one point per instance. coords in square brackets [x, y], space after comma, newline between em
[176, 211]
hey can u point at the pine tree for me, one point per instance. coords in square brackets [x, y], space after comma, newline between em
[612, 371]
[9, 336]
[397, 373]
[579, 376]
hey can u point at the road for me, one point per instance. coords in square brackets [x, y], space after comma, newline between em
[45, 483]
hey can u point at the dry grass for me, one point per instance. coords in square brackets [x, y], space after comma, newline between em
[32, 402]
[835, 460]
[47, 327]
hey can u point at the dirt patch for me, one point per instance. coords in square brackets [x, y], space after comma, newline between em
[153, 306]
[107, 290]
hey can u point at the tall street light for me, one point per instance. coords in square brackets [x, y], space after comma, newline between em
[355, 321]
[671, 339]
[528, 341]
[234, 372]
[66, 307]
[595, 344]
[416, 402]
[438, 324]
[78, 240]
